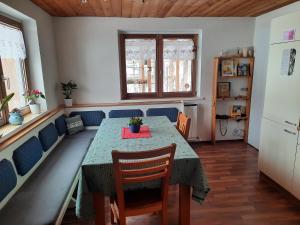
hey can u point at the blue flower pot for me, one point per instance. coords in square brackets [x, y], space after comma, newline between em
[135, 128]
[15, 118]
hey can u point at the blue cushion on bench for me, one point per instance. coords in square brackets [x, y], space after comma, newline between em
[90, 118]
[27, 155]
[48, 136]
[171, 113]
[126, 113]
[8, 178]
[61, 125]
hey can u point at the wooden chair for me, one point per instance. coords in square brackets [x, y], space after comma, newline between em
[183, 124]
[140, 167]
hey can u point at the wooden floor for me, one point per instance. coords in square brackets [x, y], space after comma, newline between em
[238, 196]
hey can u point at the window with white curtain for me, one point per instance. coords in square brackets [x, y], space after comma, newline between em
[13, 76]
[155, 66]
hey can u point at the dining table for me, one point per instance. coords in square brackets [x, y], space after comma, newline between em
[97, 181]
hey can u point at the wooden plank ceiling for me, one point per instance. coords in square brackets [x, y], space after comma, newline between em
[160, 8]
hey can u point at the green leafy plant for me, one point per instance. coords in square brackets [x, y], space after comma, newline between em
[67, 89]
[135, 121]
[5, 101]
[33, 95]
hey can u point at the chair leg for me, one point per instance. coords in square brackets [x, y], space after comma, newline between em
[164, 216]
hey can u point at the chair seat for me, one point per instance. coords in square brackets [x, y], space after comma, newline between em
[142, 201]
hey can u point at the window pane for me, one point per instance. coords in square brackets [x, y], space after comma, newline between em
[140, 65]
[178, 55]
[14, 81]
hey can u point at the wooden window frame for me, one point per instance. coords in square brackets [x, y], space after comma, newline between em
[24, 110]
[159, 66]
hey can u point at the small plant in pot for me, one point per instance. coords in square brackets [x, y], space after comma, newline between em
[4, 103]
[67, 89]
[15, 117]
[135, 124]
[32, 98]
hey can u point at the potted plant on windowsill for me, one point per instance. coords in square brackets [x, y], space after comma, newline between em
[32, 98]
[135, 124]
[67, 89]
[4, 103]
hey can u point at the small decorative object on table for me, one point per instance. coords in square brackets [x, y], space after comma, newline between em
[67, 89]
[135, 124]
[32, 98]
[15, 117]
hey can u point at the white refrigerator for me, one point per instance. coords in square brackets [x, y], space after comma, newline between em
[279, 156]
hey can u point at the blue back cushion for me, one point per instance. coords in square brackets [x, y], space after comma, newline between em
[8, 178]
[171, 113]
[27, 155]
[90, 118]
[48, 136]
[126, 113]
[61, 125]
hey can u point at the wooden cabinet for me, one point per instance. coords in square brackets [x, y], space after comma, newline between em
[277, 152]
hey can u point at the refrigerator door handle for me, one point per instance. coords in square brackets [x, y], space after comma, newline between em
[290, 123]
[289, 132]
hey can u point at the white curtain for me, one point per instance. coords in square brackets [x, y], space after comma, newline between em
[12, 44]
[180, 49]
[140, 49]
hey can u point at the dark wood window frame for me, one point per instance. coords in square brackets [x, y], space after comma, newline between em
[24, 110]
[159, 66]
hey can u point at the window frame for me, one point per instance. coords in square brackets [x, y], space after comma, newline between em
[159, 93]
[25, 70]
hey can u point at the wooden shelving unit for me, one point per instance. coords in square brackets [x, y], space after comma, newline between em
[217, 77]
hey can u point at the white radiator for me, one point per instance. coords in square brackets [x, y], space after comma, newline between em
[191, 110]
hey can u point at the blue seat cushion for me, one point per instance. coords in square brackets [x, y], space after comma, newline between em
[61, 125]
[27, 155]
[8, 178]
[48, 136]
[126, 113]
[90, 118]
[171, 113]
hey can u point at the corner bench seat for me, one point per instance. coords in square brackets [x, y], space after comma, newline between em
[42, 197]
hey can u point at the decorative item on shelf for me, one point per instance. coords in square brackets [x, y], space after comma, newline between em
[15, 117]
[227, 68]
[135, 124]
[223, 90]
[32, 98]
[245, 52]
[67, 89]
[243, 70]
[238, 111]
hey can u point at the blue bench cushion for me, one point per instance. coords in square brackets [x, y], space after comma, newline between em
[8, 178]
[48, 136]
[27, 155]
[171, 113]
[90, 118]
[126, 113]
[61, 125]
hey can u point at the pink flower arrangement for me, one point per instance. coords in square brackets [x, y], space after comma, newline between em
[34, 95]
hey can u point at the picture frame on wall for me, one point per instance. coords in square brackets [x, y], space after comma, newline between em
[223, 90]
[227, 68]
[238, 111]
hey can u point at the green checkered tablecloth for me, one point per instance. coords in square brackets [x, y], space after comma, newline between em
[97, 174]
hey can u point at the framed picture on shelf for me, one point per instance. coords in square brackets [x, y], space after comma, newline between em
[243, 70]
[223, 90]
[238, 111]
[227, 68]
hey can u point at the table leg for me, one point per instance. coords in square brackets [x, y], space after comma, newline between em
[184, 204]
[99, 206]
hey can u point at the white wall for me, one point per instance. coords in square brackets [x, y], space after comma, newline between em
[87, 51]
[39, 38]
[261, 44]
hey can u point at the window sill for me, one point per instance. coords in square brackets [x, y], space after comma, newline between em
[9, 129]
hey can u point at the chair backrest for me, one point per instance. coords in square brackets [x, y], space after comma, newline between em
[144, 166]
[171, 113]
[183, 124]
